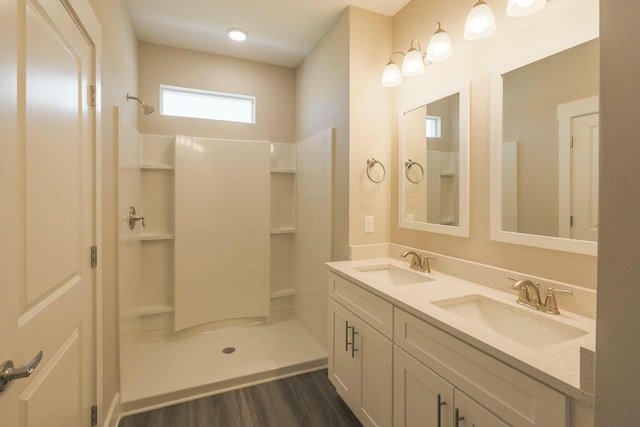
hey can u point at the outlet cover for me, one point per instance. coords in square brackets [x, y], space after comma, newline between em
[368, 224]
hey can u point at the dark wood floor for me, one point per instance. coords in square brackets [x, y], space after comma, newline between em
[307, 400]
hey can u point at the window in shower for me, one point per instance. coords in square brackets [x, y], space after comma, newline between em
[204, 104]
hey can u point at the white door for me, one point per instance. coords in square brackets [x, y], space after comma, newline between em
[342, 361]
[584, 177]
[47, 216]
[420, 396]
[374, 382]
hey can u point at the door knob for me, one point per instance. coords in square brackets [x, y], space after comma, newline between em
[8, 373]
[134, 217]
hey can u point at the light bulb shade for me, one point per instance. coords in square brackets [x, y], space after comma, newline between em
[439, 47]
[391, 76]
[524, 7]
[413, 64]
[480, 23]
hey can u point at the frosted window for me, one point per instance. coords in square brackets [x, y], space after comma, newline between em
[433, 126]
[202, 104]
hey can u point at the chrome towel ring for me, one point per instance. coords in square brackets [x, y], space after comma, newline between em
[371, 162]
[407, 165]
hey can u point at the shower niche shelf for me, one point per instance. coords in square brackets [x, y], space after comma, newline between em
[283, 230]
[156, 167]
[155, 236]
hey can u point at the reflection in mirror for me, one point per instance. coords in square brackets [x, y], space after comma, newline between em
[549, 151]
[433, 169]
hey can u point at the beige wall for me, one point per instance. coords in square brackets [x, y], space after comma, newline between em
[369, 124]
[531, 95]
[273, 86]
[119, 75]
[618, 346]
[474, 61]
[322, 102]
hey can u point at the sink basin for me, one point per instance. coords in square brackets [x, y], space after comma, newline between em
[516, 323]
[387, 273]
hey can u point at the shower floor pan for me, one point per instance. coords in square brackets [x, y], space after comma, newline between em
[173, 371]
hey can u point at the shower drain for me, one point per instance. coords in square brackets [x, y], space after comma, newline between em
[228, 350]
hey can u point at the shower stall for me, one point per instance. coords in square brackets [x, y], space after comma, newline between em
[224, 284]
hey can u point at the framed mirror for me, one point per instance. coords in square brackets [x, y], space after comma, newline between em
[544, 160]
[434, 163]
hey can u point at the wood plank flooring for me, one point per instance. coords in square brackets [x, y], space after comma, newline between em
[307, 400]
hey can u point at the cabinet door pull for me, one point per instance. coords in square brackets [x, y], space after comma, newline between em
[353, 342]
[458, 418]
[441, 403]
[346, 336]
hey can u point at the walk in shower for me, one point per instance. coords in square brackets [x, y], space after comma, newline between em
[224, 285]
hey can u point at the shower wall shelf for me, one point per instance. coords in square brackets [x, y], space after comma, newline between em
[150, 310]
[149, 237]
[283, 170]
[158, 166]
[286, 230]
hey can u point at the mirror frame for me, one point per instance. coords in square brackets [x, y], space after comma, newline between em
[462, 229]
[496, 231]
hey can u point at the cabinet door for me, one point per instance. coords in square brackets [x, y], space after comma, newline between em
[471, 414]
[415, 394]
[374, 353]
[342, 365]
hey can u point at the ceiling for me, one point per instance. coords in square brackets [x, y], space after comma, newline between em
[281, 32]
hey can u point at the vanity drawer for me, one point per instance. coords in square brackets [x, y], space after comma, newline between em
[510, 394]
[372, 309]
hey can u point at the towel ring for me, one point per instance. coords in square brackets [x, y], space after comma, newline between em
[371, 162]
[407, 165]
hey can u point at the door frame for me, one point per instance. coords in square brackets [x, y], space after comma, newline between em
[566, 112]
[84, 16]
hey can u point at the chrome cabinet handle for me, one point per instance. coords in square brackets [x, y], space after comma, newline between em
[441, 403]
[8, 373]
[346, 336]
[458, 418]
[134, 217]
[353, 342]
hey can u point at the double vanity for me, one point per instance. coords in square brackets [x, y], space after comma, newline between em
[410, 348]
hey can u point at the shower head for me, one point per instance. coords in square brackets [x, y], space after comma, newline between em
[146, 109]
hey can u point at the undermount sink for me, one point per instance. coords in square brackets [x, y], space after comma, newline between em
[387, 273]
[516, 323]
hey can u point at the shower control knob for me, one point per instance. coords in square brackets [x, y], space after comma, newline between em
[134, 218]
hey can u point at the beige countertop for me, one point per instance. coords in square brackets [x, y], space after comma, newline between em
[556, 365]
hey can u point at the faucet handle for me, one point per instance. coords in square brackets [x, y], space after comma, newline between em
[425, 263]
[550, 303]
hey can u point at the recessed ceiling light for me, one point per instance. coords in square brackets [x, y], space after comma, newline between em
[237, 34]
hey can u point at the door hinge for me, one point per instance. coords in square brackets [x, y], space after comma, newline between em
[572, 142]
[94, 415]
[92, 95]
[94, 256]
[571, 221]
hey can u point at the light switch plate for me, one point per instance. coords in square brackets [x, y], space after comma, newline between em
[368, 224]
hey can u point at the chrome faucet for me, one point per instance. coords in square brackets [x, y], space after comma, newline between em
[420, 263]
[529, 295]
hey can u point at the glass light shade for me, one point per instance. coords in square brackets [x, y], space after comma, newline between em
[391, 76]
[439, 47]
[524, 7]
[480, 23]
[413, 64]
[237, 34]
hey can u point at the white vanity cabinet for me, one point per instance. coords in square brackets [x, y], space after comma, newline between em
[360, 353]
[423, 398]
[486, 392]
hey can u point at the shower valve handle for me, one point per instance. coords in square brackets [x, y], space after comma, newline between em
[134, 218]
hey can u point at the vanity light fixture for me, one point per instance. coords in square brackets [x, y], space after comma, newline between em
[413, 63]
[237, 34]
[524, 7]
[392, 76]
[439, 48]
[480, 22]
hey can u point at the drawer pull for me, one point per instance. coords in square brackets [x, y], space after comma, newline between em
[458, 418]
[441, 403]
[353, 342]
[346, 336]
